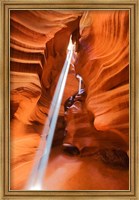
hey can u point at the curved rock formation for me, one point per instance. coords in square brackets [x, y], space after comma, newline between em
[39, 42]
[103, 62]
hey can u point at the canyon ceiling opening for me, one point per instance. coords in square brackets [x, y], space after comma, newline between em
[69, 100]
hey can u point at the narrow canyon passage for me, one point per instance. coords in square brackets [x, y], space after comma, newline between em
[91, 142]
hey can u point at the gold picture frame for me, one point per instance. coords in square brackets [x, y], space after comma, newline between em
[132, 6]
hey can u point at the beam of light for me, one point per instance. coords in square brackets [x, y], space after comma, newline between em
[36, 187]
[80, 82]
[41, 159]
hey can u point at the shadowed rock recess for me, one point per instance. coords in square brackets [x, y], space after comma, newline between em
[91, 141]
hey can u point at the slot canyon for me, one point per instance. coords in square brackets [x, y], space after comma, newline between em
[90, 149]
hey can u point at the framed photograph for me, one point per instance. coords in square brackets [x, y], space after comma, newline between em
[69, 99]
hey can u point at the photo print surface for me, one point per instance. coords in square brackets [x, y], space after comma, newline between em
[69, 100]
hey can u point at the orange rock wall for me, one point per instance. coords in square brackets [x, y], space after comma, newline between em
[39, 41]
[103, 62]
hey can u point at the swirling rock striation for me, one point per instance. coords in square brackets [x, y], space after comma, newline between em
[39, 42]
[103, 62]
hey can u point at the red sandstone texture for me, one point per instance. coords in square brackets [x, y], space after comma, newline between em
[103, 62]
[39, 42]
